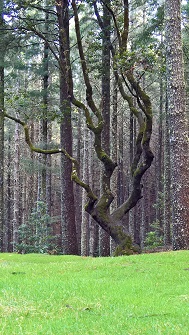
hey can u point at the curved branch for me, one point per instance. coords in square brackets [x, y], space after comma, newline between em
[74, 175]
[89, 91]
[42, 36]
[115, 22]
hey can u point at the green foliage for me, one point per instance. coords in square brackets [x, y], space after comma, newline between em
[140, 60]
[154, 238]
[35, 236]
[138, 295]
[147, 43]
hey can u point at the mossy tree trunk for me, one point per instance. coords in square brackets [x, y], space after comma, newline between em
[139, 103]
[98, 207]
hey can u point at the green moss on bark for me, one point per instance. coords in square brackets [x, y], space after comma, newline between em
[125, 246]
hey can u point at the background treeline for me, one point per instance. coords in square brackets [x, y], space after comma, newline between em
[43, 211]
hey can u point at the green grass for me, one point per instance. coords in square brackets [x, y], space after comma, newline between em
[69, 295]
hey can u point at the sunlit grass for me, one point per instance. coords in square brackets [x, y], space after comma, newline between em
[69, 295]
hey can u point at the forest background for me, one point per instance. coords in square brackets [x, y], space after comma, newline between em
[79, 83]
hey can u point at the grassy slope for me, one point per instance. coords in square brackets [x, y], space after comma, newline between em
[68, 295]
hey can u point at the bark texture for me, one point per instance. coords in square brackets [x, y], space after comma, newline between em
[16, 212]
[179, 144]
[69, 239]
[2, 51]
[104, 242]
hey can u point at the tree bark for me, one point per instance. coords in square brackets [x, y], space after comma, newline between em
[167, 213]
[104, 238]
[2, 51]
[179, 144]
[85, 216]
[69, 239]
[16, 212]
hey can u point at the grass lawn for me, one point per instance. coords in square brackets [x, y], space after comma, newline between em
[145, 294]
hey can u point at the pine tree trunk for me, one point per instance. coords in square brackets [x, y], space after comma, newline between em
[104, 243]
[114, 154]
[167, 213]
[2, 50]
[94, 180]
[85, 215]
[48, 174]
[30, 192]
[69, 238]
[179, 145]
[8, 200]
[45, 110]
[16, 212]
[77, 189]
[1, 154]
[159, 164]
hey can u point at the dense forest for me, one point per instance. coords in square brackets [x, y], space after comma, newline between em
[94, 144]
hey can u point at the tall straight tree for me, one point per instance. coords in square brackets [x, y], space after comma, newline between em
[2, 50]
[16, 210]
[179, 144]
[104, 243]
[69, 239]
[167, 183]
[45, 110]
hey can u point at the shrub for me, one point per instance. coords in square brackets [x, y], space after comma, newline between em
[35, 236]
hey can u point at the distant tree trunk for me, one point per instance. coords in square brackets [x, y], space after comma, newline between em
[146, 202]
[104, 243]
[94, 180]
[1, 156]
[8, 202]
[114, 153]
[132, 139]
[16, 211]
[48, 174]
[40, 193]
[120, 182]
[30, 193]
[136, 214]
[159, 164]
[85, 216]
[179, 144]
[167, 213]
[69, 238]
[77, 189]
[45, 111]
[2, 50]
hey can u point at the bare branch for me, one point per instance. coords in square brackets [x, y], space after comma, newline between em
[89, 91]
[74, 175]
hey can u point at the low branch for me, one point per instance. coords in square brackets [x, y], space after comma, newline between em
[74, 175]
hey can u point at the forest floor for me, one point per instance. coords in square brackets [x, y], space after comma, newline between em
[157, 249]
[146, 294]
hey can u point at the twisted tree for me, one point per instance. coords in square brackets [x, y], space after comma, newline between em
[137, 100]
